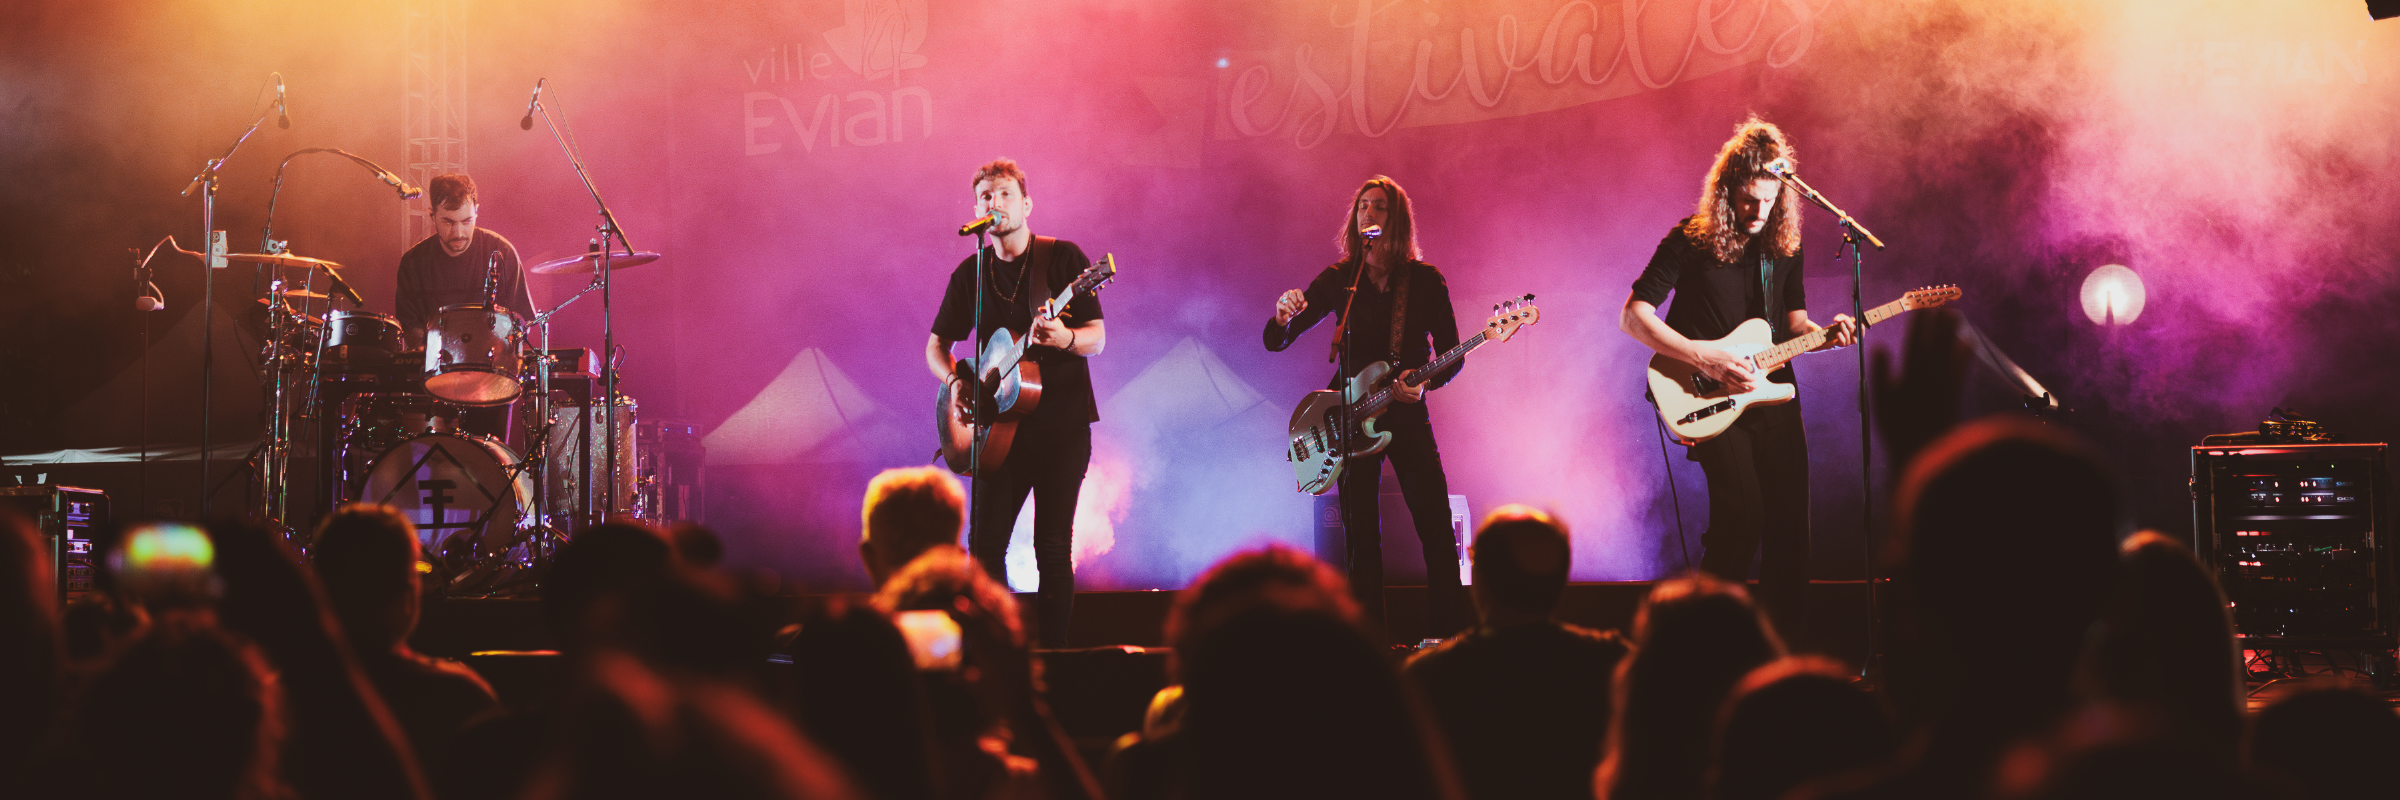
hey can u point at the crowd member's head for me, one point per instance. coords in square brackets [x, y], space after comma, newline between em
[187, 709]
[1284, 694]
[2004, 555]
[2166, 656]
[697, 545]
[855, 691]
[367, 556]
[1521, 560]
[1792, 720]
[2327, 743]
[32, 652]
[608, 559]
[907, 512]
[1694, 637]
[630, 731]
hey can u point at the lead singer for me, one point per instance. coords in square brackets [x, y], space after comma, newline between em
[1400, 312]
[1053, 445]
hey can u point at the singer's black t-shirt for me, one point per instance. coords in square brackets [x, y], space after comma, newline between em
[1067, 397]
[430, 279]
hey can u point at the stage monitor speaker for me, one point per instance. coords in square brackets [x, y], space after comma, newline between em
[2296, 536]
[70, 518]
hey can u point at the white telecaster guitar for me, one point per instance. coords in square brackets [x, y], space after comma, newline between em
[1697, 407]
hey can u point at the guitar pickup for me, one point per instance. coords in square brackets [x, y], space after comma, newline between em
[1710, 410]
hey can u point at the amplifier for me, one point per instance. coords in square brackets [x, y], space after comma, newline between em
[71, 518]
[2294, 535]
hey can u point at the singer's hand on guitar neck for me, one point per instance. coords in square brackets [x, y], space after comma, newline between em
[1405, 393]
[1733, 371]
[1051, 333]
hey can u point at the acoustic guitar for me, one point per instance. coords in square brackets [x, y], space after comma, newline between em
[1317, 423]
[1697, 407]
[1010, 386]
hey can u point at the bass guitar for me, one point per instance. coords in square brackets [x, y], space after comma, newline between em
[1697, 407]
[1010, 386]
[1317, 424]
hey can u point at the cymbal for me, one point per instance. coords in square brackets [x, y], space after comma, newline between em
[296, 294]
[590, 262]
[282, 260]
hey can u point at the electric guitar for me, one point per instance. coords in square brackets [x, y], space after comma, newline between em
[1317, 424]
[1697, 407]
[1010, 386]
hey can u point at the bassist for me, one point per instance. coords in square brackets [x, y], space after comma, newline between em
[1407, 336]
[1053, 445]
[1736, 259]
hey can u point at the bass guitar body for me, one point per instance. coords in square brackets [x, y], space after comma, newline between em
[1014, 388]
[1316, 430]
[1697, 407]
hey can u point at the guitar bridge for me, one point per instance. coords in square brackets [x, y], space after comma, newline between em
[1710, 410]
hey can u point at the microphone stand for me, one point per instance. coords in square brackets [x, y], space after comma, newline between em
[974, 388]
[206, 184]
[609, 231]
[1853, 236]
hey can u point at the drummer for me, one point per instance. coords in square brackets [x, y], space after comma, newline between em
[449, 268]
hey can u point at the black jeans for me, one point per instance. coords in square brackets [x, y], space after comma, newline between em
[1049, 464]
[1758, 500]
[1417, 462]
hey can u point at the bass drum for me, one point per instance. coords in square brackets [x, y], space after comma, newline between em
[473, 519]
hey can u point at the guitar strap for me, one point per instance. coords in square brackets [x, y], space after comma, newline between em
[1037, 273]
[1766, 288]
[1341, 328]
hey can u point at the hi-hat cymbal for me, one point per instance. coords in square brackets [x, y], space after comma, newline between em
[590, 262]
[284, 260]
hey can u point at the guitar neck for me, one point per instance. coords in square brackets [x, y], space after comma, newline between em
[1058, 305]
[1774, 358]
[1376, 402]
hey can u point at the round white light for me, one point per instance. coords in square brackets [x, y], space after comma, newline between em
[2113, 295]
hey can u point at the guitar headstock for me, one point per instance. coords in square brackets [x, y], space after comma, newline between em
[1508, 317]
[1929, 297]
[1098, 275]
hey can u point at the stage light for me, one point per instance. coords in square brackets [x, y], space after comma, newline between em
[2113, 295]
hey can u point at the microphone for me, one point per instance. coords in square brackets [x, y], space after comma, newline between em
[536, 100]
[980, 224]
[1371, 232]
[1781, 168]
[283, 111]
[407, 192]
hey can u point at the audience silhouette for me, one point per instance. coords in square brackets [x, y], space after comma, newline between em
[1694, 637]
[1522, 698]
[367, 556]
[1793, 720]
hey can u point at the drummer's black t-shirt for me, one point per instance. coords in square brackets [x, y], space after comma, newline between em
[430, 279]
[1066, 380]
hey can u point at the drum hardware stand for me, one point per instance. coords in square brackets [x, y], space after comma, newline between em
[611, 234]
[149, 299]
[206, 184]
[584, 517]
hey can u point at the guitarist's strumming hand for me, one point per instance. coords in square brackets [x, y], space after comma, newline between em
[1733, 371]
[1405, 393]
[1290, 305]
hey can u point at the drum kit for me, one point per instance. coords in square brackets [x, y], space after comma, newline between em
[426, 425]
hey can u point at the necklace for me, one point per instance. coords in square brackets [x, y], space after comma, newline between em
[1024, 265]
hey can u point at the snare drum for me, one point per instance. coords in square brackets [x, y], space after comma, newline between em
[473, 355]
[360, 341]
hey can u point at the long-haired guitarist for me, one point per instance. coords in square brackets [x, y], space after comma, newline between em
[1053, 445]
[1736, 259]
[1400, 312]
